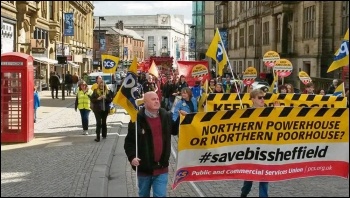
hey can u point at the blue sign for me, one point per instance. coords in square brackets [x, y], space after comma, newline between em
[223, 34]
[68, 24]
[125, 51]
[192, 43]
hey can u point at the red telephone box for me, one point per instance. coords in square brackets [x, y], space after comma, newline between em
[17, 99]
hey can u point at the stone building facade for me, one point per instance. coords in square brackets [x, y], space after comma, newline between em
[305, 32]
[36, 29]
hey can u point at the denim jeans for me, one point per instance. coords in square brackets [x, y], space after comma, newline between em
[158, 183]
[263, 188]
[84, 113]
[75, 87]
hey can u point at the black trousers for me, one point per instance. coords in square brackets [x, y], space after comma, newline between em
[52, 89]
[101, 123]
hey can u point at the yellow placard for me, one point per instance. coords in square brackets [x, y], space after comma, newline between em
[283, 65]
[224, 102]
[250, 73]
[304, 77]
[263, 126]
[271, 56]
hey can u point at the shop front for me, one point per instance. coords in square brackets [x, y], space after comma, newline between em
[8, 29]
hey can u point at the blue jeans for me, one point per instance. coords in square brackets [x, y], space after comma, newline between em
[263, 188]
[158, 183]
[75, 87]
[84, 113]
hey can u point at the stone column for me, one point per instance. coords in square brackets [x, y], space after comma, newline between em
[273, 35]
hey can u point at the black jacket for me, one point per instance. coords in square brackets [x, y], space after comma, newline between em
[97, 104]
[145, 142]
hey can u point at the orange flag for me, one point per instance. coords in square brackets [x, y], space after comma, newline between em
[153, 70]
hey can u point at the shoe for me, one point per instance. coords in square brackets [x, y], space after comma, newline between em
[97, 140]
[34, 121]
[57, 98]
[103, 137]
[86, 132]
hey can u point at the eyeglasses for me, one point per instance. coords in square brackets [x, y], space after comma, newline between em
[260, 97]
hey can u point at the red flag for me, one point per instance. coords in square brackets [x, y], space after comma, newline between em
[194, 71]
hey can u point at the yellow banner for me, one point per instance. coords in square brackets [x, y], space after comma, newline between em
[263, 126]
[224, 102]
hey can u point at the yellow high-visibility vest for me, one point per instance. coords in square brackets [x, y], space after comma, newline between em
[84, 100]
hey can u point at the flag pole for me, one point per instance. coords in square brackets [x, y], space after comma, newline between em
[233, 76]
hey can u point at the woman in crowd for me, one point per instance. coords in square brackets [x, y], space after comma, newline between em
[82, 102]
[187, 104]
[282, 89]
[321, 92]
[101, 99]
[180, 85]
[218, 88]
[211, 86]
[290, 88]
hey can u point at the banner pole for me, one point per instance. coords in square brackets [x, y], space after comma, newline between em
[233, 76]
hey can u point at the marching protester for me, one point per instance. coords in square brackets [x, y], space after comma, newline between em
[36, 101]
[257, 97]
[187, 104]
[218, 88]
[211, 87]
[309, 88]
[150, 85]
[180, 85]
[197, 90]
[99, 96]
[290, 88]
[333, 86]
[321, 92]
[167, 92]
[282, 89]
[150, 155]
[82, 102]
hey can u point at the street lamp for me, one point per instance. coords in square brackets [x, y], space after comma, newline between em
[195, 41]
[99, 38]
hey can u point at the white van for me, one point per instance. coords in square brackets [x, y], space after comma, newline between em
[107, 78]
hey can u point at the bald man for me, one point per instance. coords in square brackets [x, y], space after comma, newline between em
[154, 130]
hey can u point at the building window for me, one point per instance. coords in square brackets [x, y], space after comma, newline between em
[278, 30]
[51, 9]
[241, 37]
[165, 43]
[251, 35]
[151, 45]
[44, 9]
[235, 40]
[345, 17]
[309, 22]
[266, 39]
[218, 16]
[241, 7]
[250, 63]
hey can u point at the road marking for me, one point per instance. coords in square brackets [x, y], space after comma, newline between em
[192, 183]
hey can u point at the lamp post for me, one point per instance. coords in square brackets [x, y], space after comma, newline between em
[63, 70]
[195, 41]
[99, 38]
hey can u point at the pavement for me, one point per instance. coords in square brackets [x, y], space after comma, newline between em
[60, 161]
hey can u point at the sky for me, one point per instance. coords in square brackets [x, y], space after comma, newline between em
[105, 8]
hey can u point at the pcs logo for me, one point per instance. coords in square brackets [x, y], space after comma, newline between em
[108, 63]
[181, 174]
[342, 51]
[220, 52]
